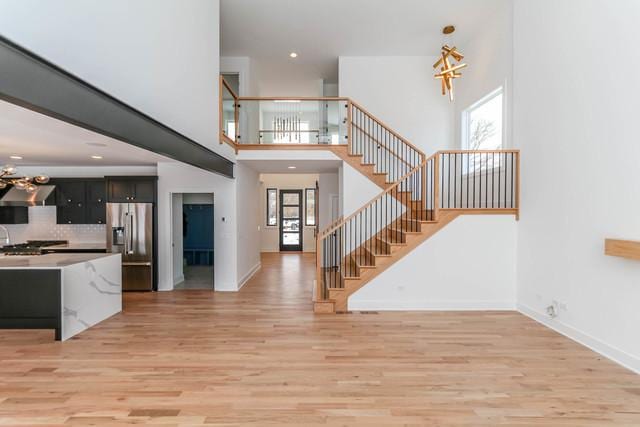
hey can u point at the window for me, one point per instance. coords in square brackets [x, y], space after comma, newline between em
[272, 207]
[482, 129]
[310, 207]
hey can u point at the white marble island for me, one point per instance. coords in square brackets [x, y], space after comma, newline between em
[68, 292]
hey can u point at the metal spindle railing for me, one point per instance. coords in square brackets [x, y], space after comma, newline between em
[380, 146]
[479, 179]
[453, 180]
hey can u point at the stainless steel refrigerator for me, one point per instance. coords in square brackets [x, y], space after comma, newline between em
[130, 233]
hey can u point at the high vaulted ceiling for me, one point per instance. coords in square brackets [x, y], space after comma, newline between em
[321, 30]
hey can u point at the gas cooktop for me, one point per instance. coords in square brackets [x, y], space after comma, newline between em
[32, 247]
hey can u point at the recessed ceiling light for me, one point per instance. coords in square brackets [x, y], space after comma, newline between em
[97, 144]
[96, 157]
[16, 157]
[293, 55]
[292, 167]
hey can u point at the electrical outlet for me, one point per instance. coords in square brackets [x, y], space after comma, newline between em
[553, 309]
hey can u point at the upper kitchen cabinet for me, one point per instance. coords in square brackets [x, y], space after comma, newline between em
[96, 212]
[70, 193]
[139, 189]
[13, 214]
[80, 201]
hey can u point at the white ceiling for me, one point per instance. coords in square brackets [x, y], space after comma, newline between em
[302, 166]
[45, 141]
[322, 30]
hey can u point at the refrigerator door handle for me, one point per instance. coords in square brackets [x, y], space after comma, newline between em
[126, 237]
[130, 251]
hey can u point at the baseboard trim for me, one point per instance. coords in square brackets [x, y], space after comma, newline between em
[178, 280]
[249, 275]
[612, 353]
[426, 305]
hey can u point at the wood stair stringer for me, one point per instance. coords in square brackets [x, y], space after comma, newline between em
[384, 261]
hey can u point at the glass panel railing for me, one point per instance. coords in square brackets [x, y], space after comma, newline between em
[292, 121]
[229, 113]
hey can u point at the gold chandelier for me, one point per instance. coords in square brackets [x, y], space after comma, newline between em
[25, 183]
[446, 71]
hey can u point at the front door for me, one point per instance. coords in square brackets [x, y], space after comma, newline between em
[291, 220]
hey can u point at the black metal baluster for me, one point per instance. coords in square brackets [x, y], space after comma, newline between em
[493, 173]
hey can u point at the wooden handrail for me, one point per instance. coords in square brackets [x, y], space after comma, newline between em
[330, 229]
[292, 98]
[224, 82]
[477, 151]
[387, 128]
[393, 153]
[436, 183]
[221, 135]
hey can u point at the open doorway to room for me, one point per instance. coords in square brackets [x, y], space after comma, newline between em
[193, 237]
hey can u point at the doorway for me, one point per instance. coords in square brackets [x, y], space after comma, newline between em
[193, 240]
[291, 220]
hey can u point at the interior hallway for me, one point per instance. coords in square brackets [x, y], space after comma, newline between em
[261, 356]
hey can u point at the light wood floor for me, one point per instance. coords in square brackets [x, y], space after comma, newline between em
[261, 357]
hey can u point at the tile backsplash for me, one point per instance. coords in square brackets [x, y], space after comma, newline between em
[42, 226]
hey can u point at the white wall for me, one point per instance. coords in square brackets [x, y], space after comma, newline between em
[177, 239]
[401, 92]
[278, 78]
[197, 199]
[575, 119]
[431, 277]
[270, 236]
[248, 225]
[356, 191]
[489, 55]
[159, 56]
[174, 177]
[328, 188]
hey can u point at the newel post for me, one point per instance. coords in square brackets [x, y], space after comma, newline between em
[317, 293]
[349, 108]
[436, 186]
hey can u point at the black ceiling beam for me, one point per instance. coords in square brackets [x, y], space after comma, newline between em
[34, 83]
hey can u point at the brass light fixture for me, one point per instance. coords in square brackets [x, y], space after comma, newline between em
[25, 183]
[446, 71]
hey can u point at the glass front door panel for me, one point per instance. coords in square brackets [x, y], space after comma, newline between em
[291, 220]
[291, 238]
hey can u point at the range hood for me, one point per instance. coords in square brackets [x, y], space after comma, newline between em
[15, 197]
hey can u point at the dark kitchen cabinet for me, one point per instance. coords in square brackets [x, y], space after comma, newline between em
[80, 201]
[13, 214]
[96, 202]
[70, 193]
[131, 189]
[70, 215]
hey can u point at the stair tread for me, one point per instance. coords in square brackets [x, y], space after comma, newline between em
[400, 230]
[391, 243]
[373, 250]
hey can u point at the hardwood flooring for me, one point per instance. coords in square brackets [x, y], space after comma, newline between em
[261, 357]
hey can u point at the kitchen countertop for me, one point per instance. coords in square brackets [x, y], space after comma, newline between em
[80, 246]
[56, 260]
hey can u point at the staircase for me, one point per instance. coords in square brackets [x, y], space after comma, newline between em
[420, 197]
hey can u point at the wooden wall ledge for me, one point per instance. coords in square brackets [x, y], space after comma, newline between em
[622, 248]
